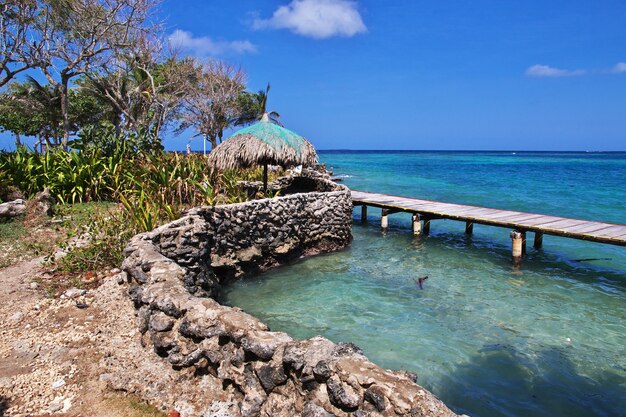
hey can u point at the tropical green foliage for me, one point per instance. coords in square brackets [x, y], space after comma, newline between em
[33, 109]
[109, 91]
[149, 189]
[253, 106]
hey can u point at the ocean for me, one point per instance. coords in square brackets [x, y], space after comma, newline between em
[546, 339]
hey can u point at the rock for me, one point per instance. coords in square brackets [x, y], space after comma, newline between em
[248, 254]
[58, 384]
[263, 344]
[200, 324]
[342, 395]
[161, 322]
[5, 382]
[411, 376]
[17, 317]
[56, 405]
[271, 376]
[34, 285]
[321, 371]
[12, 208]
[313, 410]
[12, 193]
[39, 208]
[74, 293]
[67, 404]
[227, 357]
[346, 349]
[255, 395]
[376, 396]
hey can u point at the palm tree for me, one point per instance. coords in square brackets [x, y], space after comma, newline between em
[254, 106]
[42, 104]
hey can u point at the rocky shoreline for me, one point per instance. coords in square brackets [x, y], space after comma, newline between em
[174, 274]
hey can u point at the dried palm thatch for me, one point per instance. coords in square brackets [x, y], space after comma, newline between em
[263, 143]
[260, 144]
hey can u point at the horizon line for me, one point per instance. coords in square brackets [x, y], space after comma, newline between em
[469, 150]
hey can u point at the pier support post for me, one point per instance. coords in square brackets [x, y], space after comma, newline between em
[417, 225]
[363, 214]
[426, 228]
[538, 240]
[384, 220]
[517, 241]
[469, 228]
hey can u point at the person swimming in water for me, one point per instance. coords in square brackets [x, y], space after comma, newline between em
[420, 281]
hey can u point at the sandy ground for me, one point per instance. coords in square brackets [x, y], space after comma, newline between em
[52, 352]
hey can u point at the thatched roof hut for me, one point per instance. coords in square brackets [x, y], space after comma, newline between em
[263, 143]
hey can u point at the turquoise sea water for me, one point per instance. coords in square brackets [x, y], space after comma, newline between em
[548, 339]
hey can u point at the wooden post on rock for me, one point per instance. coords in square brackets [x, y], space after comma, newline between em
[265, 177]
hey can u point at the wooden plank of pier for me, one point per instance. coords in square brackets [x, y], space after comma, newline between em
[613, 234]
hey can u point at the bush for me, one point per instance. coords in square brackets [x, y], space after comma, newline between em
[150, 189]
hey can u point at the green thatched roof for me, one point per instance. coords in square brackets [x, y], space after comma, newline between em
[263, 143]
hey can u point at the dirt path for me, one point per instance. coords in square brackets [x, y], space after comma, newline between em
[52, 352]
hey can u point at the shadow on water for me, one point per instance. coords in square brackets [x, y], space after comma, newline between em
[500, 381]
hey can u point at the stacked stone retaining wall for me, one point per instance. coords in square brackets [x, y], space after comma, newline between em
[175, 273]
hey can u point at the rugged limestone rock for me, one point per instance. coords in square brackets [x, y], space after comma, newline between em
[174, 270]
[12, 208]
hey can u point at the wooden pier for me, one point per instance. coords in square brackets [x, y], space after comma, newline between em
[424, 211]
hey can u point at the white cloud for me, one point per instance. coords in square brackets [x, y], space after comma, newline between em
[619, 68]
[203, 46]
[547, 71]
[317, 19]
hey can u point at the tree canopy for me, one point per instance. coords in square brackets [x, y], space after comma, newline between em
[106, 68]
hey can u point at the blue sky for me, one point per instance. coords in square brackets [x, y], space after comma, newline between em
[424, 74]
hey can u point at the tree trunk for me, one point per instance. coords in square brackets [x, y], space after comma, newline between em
[65, 110]
[213, 140]
[117, 123]
[18, 140]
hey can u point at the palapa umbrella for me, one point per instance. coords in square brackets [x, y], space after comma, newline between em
[263, 143]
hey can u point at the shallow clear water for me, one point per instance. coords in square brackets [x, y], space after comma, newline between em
[548, 339]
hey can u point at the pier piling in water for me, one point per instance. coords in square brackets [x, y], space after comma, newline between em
[417, 224]
[538, 240]
[363, 214]
[469, 228]
[384, 219]
[517, 241]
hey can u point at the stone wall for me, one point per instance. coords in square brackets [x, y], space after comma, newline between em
[175, 273]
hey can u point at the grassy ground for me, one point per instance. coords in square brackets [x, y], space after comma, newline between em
[133, 407]
[20, 243]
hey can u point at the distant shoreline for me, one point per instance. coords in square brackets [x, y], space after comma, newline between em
[387, 151]
[508, 152]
